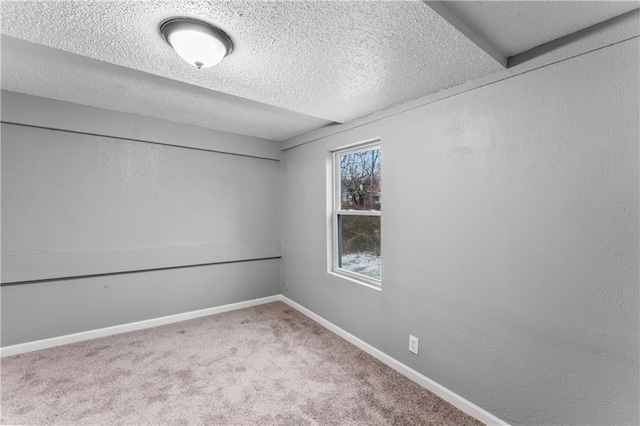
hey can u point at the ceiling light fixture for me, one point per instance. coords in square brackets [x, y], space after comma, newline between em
[197, 42]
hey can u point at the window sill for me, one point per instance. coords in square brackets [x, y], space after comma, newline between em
[356, 280]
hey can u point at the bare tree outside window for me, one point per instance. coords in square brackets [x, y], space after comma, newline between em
[360, 180]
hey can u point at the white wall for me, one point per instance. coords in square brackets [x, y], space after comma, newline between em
[103, 207]
[510, 241]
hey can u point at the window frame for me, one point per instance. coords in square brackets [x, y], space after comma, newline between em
[336, 211]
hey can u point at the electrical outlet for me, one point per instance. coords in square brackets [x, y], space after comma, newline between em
[414, 342]
[286, 285]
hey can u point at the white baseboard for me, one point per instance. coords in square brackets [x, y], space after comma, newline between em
[444, 393]
[436, 388]
[138, 325]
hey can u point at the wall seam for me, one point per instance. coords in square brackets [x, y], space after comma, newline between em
[78, 132]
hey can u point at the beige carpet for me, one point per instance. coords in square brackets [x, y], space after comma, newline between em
[263, 365]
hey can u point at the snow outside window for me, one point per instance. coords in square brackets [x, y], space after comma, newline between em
[357, 213]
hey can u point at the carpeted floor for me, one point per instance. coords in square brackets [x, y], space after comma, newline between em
[263, 365]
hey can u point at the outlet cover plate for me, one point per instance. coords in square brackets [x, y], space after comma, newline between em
[414, 342]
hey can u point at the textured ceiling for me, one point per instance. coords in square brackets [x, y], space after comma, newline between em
[514, 27]
[296, 66]
[333, 60]
[49, 73]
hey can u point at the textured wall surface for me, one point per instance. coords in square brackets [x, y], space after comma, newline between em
[510, 241]
[81, 205]
[40, 310]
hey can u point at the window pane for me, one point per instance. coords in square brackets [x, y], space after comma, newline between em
[360, 180]
[359, 245]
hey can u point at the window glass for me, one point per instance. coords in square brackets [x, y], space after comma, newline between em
[357, 212]
[360, 245]
[360, 180]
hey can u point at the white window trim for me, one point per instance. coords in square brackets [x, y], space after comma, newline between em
[335, 211]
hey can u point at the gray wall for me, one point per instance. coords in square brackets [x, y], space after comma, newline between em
[510, 241]
[105, 208]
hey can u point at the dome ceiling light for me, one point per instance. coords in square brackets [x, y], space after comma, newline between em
[197, 42]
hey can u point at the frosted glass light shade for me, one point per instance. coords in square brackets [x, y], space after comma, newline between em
[197, 42]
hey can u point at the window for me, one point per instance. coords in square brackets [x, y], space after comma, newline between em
[356, 213]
